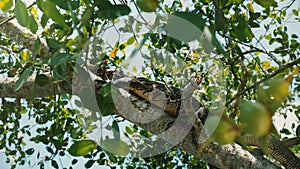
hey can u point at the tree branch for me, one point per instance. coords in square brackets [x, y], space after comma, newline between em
[7, 88]
[292, 141]
[22, 36]
[179, 131]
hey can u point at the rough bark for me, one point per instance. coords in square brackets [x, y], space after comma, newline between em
[7, 88]
[22, 36]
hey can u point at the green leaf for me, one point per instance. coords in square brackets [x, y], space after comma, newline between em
[116, 130]
[243, 32]
[5, 5]
[117, 147]
[89, 163]
[87, 2]
[105, 100]
[23, 78]
[67, 4]
[44, 20]
[29, 151]
[82, 148]
[42, 80]
[219, 20]
[51, 11]
[37, 46]
[32, 25]
[192, 23]
[21, 13]
[266, 3]
[298, 131]
[113, 12]
[81, 74]
[86, 16]
[130, 40]
[52, 43]
[74, 161]
[128, 130]
[88, 99]
[103, 4]
[58, 59]
[54, 164]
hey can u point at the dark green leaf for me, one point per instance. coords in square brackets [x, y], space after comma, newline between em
[29, 151]
[58, 59]
[87, 1]
[51, 11]
[74, 161]
[52, 43]
[50, 150]
[113, 12]
[103, 4]
[220, 22]
[44, 20]
[105, 100]
[89, 164]
[67, 4]
[285, 131]
[266, 3]
[298, 131]
[32, 25]
[254, 16]
[42, 80]
[54, 164]
[37, 46]
[86, 17]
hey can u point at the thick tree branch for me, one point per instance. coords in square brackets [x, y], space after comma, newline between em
[22, 36]
[7, 88]
[181, 131]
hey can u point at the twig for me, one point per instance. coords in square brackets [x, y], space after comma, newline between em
[281, 69]
[12, 53]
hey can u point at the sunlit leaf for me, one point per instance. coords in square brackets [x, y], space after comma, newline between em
[5, 5]
[82, 148]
